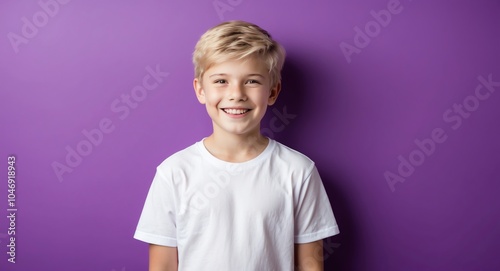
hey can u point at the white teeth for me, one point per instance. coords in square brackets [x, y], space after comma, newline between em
[235, 111]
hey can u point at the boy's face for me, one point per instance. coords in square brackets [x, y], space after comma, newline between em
[236, 94]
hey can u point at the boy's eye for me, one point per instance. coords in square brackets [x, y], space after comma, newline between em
[220, 81]
[252, 81]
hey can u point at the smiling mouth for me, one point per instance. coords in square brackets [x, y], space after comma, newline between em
[233, 111]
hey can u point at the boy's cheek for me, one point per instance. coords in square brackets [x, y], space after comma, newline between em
[211, 101]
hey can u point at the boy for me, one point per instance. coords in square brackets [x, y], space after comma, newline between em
[236, 200]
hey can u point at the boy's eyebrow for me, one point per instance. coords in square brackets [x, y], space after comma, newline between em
[256, 74]
[223, 74]
[217, 74]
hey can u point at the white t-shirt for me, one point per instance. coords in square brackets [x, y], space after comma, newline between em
[236, 216]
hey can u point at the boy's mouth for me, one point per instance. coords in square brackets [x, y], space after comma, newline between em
[235, 111]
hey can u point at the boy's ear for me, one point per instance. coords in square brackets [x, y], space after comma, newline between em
[273, 94]
[198, 88]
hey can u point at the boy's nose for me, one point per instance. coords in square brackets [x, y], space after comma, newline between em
[237, 92]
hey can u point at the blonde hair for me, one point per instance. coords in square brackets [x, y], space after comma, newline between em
[236, 40]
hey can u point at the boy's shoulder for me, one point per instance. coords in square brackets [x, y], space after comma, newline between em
[182, 158]
[290, 153]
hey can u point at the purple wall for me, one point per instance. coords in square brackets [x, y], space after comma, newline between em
[401, 115]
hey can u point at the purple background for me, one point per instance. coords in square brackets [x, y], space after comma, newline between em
[354, 119]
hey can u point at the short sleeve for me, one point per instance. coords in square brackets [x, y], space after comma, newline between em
[157, 223]
[314, 219]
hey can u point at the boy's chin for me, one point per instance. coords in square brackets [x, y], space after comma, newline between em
[237, 132]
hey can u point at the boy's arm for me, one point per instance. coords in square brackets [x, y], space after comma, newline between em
[162, 258]
[309, 256]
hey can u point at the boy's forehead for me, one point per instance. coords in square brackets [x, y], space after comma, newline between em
[251, 65]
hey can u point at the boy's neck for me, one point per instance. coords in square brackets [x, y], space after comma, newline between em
[236, 148]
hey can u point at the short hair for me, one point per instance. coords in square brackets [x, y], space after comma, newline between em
[236, 40]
